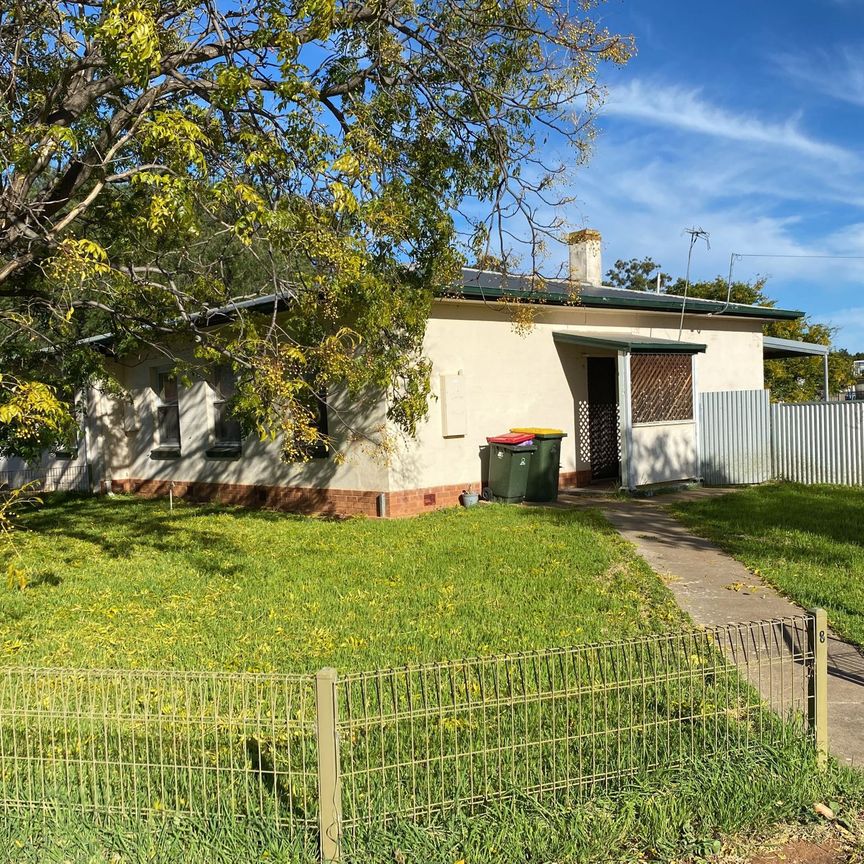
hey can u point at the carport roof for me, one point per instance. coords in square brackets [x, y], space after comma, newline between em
[774, 347]
[627, 342]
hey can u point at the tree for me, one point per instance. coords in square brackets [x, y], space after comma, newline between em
[789, 380]
[637, 275]
[158, 160]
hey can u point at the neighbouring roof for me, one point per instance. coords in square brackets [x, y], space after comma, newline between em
[628, 343]
[489, 285]
[773, 348]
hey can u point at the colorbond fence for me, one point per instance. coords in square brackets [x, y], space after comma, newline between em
[818, 442]
[735, 437]
[745, 439]
[340, 756]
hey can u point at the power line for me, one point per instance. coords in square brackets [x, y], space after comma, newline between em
[738, 255]
[789, 255]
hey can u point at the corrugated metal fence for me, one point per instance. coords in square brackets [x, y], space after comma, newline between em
[818, 442]
[735, 437]
[745, 439]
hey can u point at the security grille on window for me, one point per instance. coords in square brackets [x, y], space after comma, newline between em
[226, 429]
[167, 409]
[661, 387]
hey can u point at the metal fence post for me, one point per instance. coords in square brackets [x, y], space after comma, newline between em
[817, 690]
[329, 788]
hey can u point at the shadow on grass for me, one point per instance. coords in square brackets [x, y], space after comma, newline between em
[123, 527]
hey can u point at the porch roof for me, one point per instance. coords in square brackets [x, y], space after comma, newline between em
[773, 347]
[628, 343]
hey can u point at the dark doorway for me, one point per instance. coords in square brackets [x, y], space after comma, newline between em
[603, 417]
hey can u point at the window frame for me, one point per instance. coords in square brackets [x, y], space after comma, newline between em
[658, 417]
[222, 446]
[165, 447]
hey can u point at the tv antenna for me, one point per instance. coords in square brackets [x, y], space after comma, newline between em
[696, 234]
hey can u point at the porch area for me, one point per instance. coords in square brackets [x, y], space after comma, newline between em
[634, 401]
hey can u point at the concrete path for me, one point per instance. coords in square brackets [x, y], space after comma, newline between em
[716, 589]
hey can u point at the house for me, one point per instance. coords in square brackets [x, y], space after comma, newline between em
[619, 371]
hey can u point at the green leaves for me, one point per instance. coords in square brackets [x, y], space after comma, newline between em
[32, 418]
[166, 159]
[130, 36]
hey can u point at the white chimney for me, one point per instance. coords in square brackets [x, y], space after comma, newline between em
[585, 260]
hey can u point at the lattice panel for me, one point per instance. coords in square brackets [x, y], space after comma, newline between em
[599, 439]
[584, 443]
[661, 387]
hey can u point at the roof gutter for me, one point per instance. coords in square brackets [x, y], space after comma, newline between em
[650, 303]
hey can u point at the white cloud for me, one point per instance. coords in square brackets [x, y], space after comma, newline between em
[669, 159]
[686, 109]
[643, 186]
[838, 73]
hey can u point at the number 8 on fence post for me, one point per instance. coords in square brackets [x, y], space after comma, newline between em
[329, 787]
[817, 689]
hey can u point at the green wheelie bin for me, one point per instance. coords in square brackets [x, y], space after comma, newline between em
[545, 463]
[509, 465]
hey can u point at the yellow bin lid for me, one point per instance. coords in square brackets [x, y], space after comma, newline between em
[536, 430]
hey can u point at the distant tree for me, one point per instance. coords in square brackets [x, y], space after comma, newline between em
[748, 293]
[790, 380]
[637, 275]
[802, 379]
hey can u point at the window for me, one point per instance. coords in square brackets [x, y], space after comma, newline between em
[227, 434]
[68, 449]
[662, 387]
[321, 449]
[167, 410]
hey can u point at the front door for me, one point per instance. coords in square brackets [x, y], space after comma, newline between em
[603, 417]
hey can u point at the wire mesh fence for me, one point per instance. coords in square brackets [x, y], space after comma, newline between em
[136, 743]
[343, 755]
[65, 478]
[566, 723]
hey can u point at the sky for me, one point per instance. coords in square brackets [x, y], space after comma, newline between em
[744, 119]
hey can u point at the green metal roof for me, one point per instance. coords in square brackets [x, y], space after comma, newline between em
[488, 285]
[628, 343]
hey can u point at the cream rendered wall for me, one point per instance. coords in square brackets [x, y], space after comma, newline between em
[509, 380]
[126, 450]
[512, 379]
[663, 452]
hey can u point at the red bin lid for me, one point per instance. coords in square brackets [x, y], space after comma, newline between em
[510, 438]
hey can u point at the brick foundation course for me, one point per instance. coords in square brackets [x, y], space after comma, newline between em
[294, 499]
[304, 499]
[575, 478]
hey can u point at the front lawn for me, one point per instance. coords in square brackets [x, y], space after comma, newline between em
[806, 541]
[126, 582]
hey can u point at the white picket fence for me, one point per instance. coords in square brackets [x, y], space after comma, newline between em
[744, 439]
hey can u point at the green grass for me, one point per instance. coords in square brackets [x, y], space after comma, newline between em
[806, 541]
[126, 583]
[676, 815]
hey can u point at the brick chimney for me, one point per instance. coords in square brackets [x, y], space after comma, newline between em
[585, 260]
